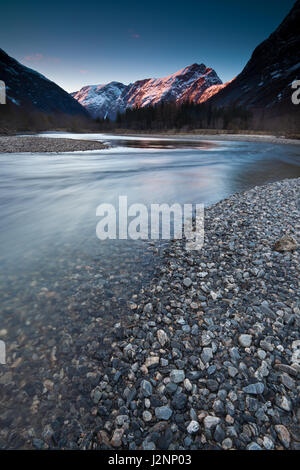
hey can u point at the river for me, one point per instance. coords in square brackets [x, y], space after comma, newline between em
[57, 280]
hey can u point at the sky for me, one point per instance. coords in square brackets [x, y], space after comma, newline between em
[91, 42]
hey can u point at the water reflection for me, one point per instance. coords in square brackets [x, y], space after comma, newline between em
[165, 144]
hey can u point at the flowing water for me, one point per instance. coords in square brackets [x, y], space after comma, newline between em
[57, 280]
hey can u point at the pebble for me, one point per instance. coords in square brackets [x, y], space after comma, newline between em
[147, 416]
[211, 421]
[227, 443]
[232, 371]
[187, 282]
[146, 388]
[177, 376]
[163, 412]
[116, 440]
[152, 361]
[253, 446]
[283, 434]
[193, 427]
[245, 340]
[162, 337]
[254, 389]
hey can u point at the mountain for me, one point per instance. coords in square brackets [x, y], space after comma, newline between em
[28, 90]
[264, 86]
[177, 87]
[100, 100]
[265, 82]
[187, 84]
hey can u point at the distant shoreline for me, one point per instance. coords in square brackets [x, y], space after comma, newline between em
[35, 144]
[220, 137]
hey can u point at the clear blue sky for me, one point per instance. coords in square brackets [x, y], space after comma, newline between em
[90, 42]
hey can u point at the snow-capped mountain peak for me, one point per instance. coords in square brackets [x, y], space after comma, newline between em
[187, 84]
[100, 100]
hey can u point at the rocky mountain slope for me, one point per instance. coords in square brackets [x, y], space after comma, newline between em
[28, 89]
[187, 84]
[101, 100]
[266, 80]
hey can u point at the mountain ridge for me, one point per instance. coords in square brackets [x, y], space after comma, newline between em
[106, 100]
[27, 88]
[265, 82]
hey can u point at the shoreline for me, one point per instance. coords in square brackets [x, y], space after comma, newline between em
[209, 357]
[220, 137]
[35, 144]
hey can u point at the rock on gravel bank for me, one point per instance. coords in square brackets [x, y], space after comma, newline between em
[213, 363]
[16, 144]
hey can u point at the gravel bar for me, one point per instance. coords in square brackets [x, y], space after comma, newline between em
[210, 358]
[16, 144]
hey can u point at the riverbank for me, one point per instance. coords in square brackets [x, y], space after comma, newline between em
[18, 144]
[209, 357]
[219, 136]
[34, 144]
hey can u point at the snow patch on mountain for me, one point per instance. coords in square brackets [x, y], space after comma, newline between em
[100, 100]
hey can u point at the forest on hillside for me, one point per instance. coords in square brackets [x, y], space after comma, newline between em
[184, 117]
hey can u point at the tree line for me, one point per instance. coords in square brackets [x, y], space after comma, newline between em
[183, 116]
